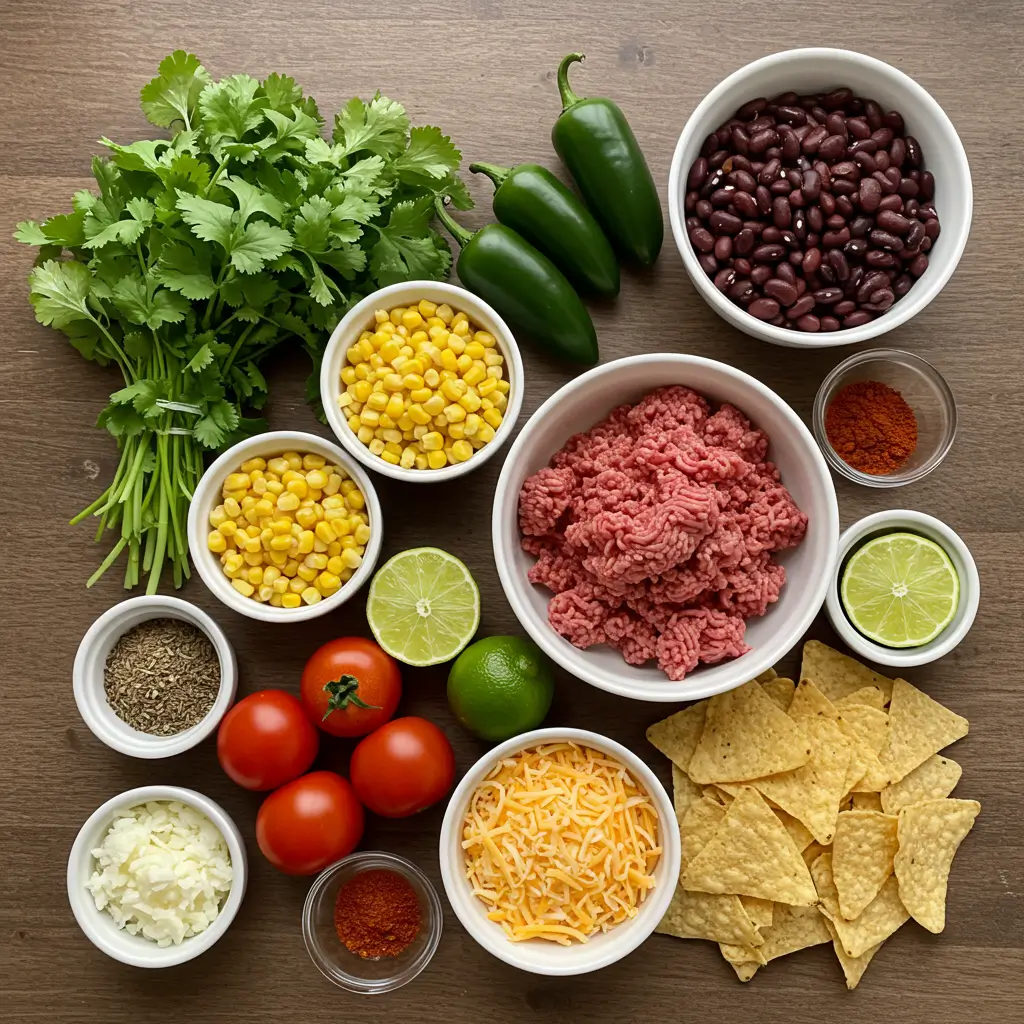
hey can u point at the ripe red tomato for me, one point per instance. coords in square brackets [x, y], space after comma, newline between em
[309, 823]
[403, 767]
[350, 686]
[266, 740]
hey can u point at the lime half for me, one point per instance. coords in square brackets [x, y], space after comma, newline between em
[900, 590]
[423, 606]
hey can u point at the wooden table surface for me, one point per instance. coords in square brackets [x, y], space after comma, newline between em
[483, 70]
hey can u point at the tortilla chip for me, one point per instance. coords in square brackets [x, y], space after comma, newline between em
[853, 966]
[746, 736]
[868, 728]
[724, 794]
[766, 676]
[796, 829]
[745, 971]
[866, 802]
[751, 854]
[702, 915]
[931, 780]
[794, 928]
[882, 916]
[780, 690]
[868, 696]
[813, 851]
[862, 856]
[676, 736]
[741, 954]
[836, 675]
[761, 912]
[812, 792]
[699, 825]
[918, 728]
[684, 792]
[929, 835]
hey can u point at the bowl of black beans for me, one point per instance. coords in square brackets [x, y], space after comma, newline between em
[819, 197]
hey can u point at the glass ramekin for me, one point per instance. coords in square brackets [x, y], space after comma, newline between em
[352, 972]
[924, 390]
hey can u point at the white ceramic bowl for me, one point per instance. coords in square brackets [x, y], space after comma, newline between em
[540, 957]
[208, 497]
[959, 554]
[580, 405]
[99, 926]
[360, 318]
[90, 665]
[813, 70]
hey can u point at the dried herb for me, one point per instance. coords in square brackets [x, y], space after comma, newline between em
[162, 676]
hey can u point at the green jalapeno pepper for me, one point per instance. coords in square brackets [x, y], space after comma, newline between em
[594, 140]
[524, 286]
[529, 199]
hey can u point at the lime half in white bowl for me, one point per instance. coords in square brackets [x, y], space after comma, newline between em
[900, 589]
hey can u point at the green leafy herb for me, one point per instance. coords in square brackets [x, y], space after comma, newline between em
[202, 252]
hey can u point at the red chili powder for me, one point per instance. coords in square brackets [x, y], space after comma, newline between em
[377, 914]
[871, 427]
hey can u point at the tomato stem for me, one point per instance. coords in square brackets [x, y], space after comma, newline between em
[341, 693]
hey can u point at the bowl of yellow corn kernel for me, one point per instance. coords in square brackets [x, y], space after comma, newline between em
[422, 381]
[284, 526]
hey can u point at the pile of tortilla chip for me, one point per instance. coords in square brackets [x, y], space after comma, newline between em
[813, 813]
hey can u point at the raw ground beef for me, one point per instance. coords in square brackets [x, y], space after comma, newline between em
[655, 531]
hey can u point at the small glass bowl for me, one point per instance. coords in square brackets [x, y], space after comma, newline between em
[352, 972]
[925, 391]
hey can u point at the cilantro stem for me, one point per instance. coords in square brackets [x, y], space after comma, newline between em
[90, 509]
[234, 351]
[108, 561]
[216, 175]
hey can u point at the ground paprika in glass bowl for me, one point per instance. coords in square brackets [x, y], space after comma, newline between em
[884, 418]
[371, 922]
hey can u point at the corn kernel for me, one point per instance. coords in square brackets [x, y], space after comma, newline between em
[311, 595]
[486, 386]
[376, 446]
[486, 433]
[463, 363]
[496, 373]
[355, 500]
[454, 413]
[432, 442]
[288, 502]
[255, 575]
[236, 482]
[395, 406]
[449, 360]
[470, 401]
[462, 450]
[290, 600]
[229, 528]
[306, 542]
[363, 372]
[460, 327]
[377, 401]
[365, 434]
[325, 532]
[472, 424]
[370, 417]
[352, 559]
[315, 560]
[389, 457]
[437, 459]
[427, 308]
[474, 350]
[421, 462]
[274, 487]
[454, 389]
[444, 312]
[456, 431]
[245, 588]
[217, 542]
[304, 572]
[474, 375]
[348, 375]
[408, 458]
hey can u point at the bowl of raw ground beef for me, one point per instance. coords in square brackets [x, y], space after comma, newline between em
[664, 527]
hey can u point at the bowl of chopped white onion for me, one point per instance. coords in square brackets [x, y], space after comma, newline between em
[156, 875]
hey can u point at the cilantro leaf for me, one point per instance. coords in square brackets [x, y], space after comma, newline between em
[252, 199]
[121, 421]
[173, 94]
[66, 229]
[139, 156]
[281, 91]
[59, 291]
[142, 395]
[139, 305]
[200, 360]
[313, 224]
[210, 221]
[231, 107]
[220, 419]
[258, 244]
[127, 232]
[182, 270]
[29, 232]
[379, 126]
[429, 153]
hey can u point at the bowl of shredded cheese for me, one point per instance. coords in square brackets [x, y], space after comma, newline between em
[156, 875]
[559, 851]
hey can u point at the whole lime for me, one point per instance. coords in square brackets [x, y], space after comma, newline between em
[500, 686]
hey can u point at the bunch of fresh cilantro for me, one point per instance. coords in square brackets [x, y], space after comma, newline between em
[203, 251]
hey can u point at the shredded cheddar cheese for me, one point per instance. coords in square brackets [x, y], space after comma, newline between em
[560, 843]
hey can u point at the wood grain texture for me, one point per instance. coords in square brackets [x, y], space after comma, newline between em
[483, 69]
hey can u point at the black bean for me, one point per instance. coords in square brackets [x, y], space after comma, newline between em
[836, 222]
[844, 307]
[845, 169]
[764, 199]
[741, 289]
[790, 143]
[723, 248]
[918, 265]
[780, 290]
[882, 137]
[844, 187]
[722, 197]
[744, 242]
[770, 233]
[710, 145]
[760, 141]
[815, 218]
[885, 183]
[802, 305]
[894, 203]
[901, 285]
[770, 171]
[845, 207]
[931, 229]
[873, 113]
[723, 223]
[797, 198]
[759, 124]
[894, 120]
[743, 180]
[740, 140]
[858, 319]
[833, 147]
[725, 278]
[740, 163]
[882, 299]
[811, 261]
[760, 274]
[894, 222]
[828, 296]
[880, 258]
[855, 249]
[704, 209]
[836, 124]
[858, 128]
[898, 152]
[769, 253]
[745, 204]
[717, 159]
[814, 138]
[882, 160]
[885, 240]
[782, 212]
[866, 162]
[837, 98]
[708, 263]
[839, 264]
[910, 208]
[690, 202]
[811, 185]
[927, 184]
[871, 283]
[702, 239]
[908, 188]
[829, 323]
[781, 187]
[836, 239]
[698, 172]
[786, 272]
[809, 322]
[741, 266]
[913, 151]
[791, 115]
[763, 309]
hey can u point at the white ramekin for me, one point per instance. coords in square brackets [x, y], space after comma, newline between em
[959, 554]
[208, 497]
[540, 957]
[99, 926]
[812, 70]
[360, 318]
[90, 665]
[580, 405]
